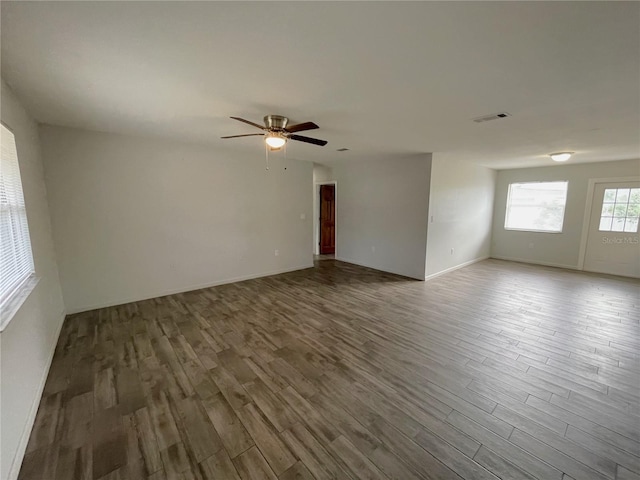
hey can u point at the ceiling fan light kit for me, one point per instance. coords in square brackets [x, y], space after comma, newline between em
[275, 140]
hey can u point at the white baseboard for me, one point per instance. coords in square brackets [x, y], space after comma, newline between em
[455, 267]
[190, 288]
[395, 272]
[533, 262]
[16, 463]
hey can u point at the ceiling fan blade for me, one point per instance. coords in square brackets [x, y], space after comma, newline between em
[261, 127]
[301, 127]
[246, 135]
[315, 141]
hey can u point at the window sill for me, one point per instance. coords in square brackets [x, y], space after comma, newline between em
[531, 230]
[10, 308]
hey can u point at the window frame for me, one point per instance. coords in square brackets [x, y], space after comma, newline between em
[534, 230]
[20, 291]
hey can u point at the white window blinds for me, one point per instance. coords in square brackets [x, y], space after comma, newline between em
[536, 206]
[16, 260]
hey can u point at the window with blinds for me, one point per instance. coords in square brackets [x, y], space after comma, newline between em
[536, 206]
[16, 259]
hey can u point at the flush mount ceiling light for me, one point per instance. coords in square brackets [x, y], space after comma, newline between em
[561, 156]
[275, 140]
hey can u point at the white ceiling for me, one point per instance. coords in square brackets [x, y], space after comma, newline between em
[380, 78]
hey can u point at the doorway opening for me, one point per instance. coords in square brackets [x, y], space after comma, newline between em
[325, 243]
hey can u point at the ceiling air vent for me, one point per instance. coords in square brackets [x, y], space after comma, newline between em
[342, 150]
[493, 116]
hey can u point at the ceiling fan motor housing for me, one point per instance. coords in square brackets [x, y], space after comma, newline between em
[276, 122]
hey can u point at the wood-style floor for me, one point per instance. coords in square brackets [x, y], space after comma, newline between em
[497, 370]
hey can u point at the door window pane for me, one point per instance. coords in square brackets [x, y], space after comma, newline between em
[618, 225]
[605, 224]
[631, 225]
[610, 195]
[624, 205]
[607, 210]
[623, 195]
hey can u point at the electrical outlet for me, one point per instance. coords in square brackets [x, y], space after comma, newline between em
[276, 253]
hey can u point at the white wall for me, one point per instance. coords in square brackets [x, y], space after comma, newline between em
[556, 249]
[460, 213]
[383, 206]
[135, 218]
[28, 342]
[321, 174]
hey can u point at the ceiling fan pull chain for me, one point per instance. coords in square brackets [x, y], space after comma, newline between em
[266, 152]
[285, 156]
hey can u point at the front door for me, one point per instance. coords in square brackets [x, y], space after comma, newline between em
[327, 219]
[613, 243]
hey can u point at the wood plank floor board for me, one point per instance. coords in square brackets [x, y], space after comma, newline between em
[560, 443]
[624, 474]
[345, 423]
[297, 472]
[424, 463]
[506, 449]
[146, 440]
[604, 449]
[314, 455]
[496, 370]
[178, 464]
[361, 466]
[523, 381]
[520, 407]
[629, 426]
[554, 457]
[218, 466]
[109, 442]
[606, 404]
[501, 467]
[606, 434]
[195, 428]
[267, 439]
[233, 434]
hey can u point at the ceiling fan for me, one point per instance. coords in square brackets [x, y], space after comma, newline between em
[277, 131]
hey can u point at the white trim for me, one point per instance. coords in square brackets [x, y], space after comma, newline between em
[379, 269]
[456, 267]
[316, 241]
[9, 309]
[164, 293]
[533, 262]
[586, 222]
[533, 230]
[555, 232]
[16, 463]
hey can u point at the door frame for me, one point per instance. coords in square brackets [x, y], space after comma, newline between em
[316, 215]
[587, 211]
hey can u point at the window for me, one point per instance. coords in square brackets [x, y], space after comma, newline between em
[16, 260]
[536, 206]
[620, 210]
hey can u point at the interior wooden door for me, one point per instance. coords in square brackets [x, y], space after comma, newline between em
[327, 219]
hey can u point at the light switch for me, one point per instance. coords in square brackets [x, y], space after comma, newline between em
[303, 216]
